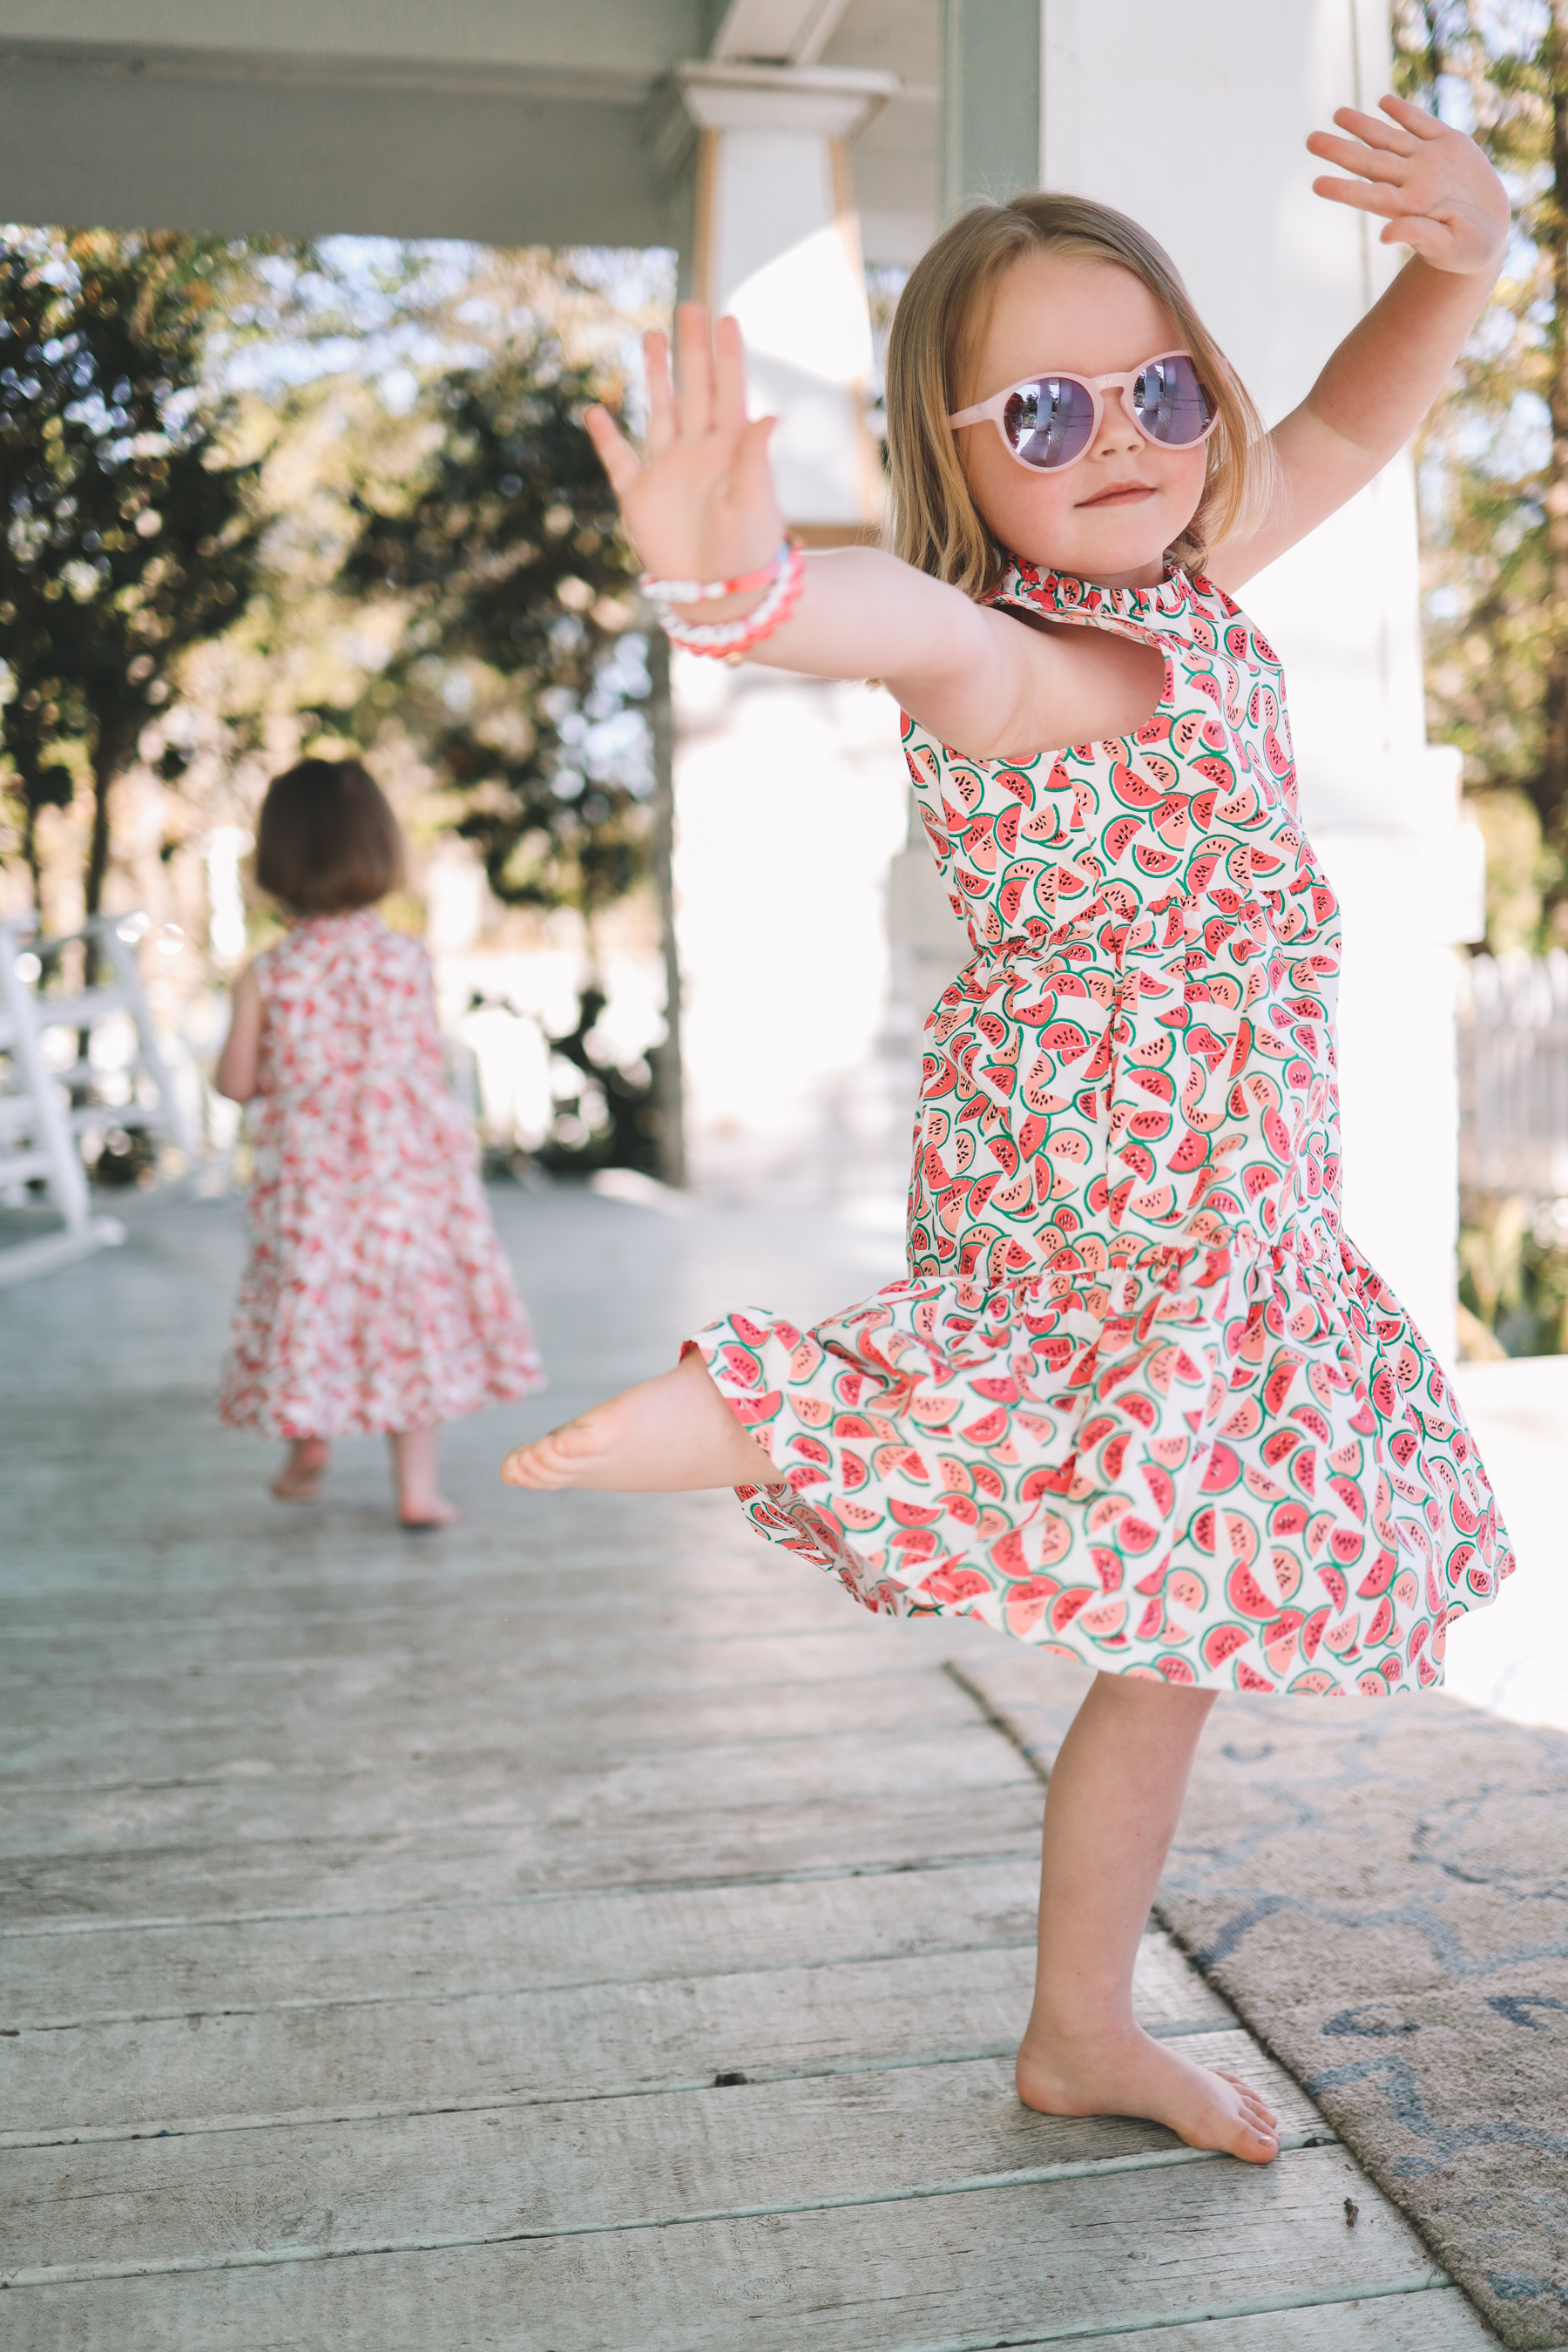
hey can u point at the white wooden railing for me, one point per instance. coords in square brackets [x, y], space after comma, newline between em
[1514, 1075]
[39, 1123]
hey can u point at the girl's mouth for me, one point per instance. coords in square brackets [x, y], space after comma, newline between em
[1128, 493]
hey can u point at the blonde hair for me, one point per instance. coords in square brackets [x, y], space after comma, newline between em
[941, 314]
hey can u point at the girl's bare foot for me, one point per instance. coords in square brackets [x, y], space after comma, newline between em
[302, 1475]
[1130, 2073]
[665, 1436]
[429, 1511]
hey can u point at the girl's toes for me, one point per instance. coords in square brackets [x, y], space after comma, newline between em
[558, 1458]
[1253, 2101]
[562, 1456]
[525, 1466]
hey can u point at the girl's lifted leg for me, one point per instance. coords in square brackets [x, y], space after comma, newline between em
[1111, 1807]
[663, 1437]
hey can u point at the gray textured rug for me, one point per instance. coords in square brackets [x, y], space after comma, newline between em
[1382, 1891]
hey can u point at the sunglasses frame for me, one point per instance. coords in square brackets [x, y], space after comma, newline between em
[994, 410]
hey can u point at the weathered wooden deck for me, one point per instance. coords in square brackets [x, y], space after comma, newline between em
[579, 1933]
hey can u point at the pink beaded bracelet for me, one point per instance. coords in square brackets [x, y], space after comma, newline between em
[710, 591]
[730, 640]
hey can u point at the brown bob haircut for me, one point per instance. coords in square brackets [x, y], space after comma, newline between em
[937, 330]
[327, 840]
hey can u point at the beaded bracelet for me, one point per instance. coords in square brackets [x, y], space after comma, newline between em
[710, 591]
[729, 640]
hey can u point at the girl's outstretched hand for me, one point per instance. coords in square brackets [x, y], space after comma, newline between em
[699, 505]
[1433, 186]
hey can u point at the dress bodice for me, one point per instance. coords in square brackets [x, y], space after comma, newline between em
[1140, 1049]
[347, 1001]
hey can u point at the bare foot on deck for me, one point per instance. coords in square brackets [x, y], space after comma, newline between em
[302, 1475]
[430, 1511]
[665, 1436]
[1136, 2075]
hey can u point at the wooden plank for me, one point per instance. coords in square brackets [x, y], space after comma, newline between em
[1440, 2320]
[596, 2164]
[521, 2047]
[387, 1574]
[185, 1646]
[119, 1975]
[430, 1795]
[349, 1541]
[533, 1642]
[409, 1685]
[560, 1721]
[528, 1851]
[1028, 2265]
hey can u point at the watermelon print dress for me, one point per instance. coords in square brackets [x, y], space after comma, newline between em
[1139, 1401]
[375, 1296]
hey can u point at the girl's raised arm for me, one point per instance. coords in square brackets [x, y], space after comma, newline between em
[699, 505]
[237, 1066]
[1436, 192]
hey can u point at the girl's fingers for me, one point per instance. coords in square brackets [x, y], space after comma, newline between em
[1414, 118]
[662, 423]
[728, 377]
[694, 370]
[615, 452]
[1372, 164]
[1375, 130]
[1423, 236]
[752, 454]
[1386, 200]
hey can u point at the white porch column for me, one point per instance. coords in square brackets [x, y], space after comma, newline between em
[776, 243]
[1203, 143]
[790, 792]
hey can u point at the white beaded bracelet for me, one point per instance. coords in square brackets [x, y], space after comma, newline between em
[733, 638]
[710, 591]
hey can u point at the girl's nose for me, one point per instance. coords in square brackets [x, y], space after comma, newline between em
[1116, 430]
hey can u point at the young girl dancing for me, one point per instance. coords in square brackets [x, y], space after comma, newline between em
[1140, 1401]
[376, 1295]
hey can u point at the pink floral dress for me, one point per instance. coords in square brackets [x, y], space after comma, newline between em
[1140, 1401]
[375, 1296]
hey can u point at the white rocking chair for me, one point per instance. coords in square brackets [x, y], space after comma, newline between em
[38, 1126]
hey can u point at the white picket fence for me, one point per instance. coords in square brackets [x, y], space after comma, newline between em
[1514, 1075]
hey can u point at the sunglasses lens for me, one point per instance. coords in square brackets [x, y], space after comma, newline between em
[1171, 403]
[1048, 422]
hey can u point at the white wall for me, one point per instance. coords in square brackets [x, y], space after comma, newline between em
[791, 801]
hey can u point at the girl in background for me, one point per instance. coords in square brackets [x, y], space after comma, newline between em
[375, 1296]
[1140, 1401]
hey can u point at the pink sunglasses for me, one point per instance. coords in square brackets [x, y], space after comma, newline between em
[1049, 421]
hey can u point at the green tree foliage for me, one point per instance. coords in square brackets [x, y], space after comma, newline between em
[129, 536]
[1494, 456]
[518, 666]
[1513, 1276]
[521, 677]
